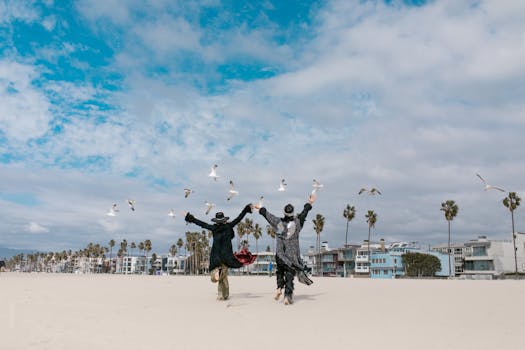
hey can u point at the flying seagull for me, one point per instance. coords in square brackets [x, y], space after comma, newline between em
[213, 172]
[131, 203]
[282, 186]
[489, 187]
[317, 186]
[232, 192]
[209, 205]
[371, 192]
[171, 213]
[113, 210]
[187, 192]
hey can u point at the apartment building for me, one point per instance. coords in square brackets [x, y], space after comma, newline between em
[488, 259]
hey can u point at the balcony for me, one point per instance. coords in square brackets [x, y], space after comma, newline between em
[361, 269]
[361, 258]
[479, 272]
[478, 258]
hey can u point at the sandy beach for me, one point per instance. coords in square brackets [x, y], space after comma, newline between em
[57, 311]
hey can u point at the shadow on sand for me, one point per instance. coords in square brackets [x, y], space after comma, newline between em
[307, 297]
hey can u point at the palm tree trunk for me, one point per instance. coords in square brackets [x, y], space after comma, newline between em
[449, 266]
[319, 265]
[369, 259]
[514, 243]
[346, 236]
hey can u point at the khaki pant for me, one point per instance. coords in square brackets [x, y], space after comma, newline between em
[223, 288]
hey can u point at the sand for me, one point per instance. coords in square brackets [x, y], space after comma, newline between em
[74, 312]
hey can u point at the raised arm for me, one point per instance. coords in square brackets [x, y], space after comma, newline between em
[272, 219]
[247, 209]
[193, 220]
[307, 208]
[304, 213]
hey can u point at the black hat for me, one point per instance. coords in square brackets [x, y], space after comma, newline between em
[288, 210]
[220, 218]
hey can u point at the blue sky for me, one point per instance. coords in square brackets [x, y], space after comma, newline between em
[104, 101]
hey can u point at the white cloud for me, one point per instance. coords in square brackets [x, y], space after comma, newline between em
[49, 23]
[23, 107]
[16, 10]
[34, 227]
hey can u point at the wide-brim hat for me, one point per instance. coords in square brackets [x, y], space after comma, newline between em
[220, 218]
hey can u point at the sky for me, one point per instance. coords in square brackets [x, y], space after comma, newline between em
[104, 101]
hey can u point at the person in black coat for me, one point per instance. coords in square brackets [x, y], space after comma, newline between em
[221, 255]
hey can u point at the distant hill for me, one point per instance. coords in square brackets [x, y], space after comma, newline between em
[7, 253]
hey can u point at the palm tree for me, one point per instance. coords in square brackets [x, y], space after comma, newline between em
[120, 255]
[450, 210]
[241, 231]
[124, 248]
[257, 233]
[371, 219]
[204, 246]
[173, 250]
[348, 214]
[180, 243]
[147, 249]
[190, 247]
[271, 232]
[133, 246]
[512, 202]
[248, 229]
[318, 227]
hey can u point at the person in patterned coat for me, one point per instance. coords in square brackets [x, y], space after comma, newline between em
[288, 255]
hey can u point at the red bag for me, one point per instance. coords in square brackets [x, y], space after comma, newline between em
[245, 257]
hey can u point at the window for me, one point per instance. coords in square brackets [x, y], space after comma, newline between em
[479, 251]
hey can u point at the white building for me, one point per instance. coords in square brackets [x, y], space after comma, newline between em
[130, 265]
[488, 259]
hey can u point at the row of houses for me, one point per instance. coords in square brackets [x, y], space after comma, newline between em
[479, 258]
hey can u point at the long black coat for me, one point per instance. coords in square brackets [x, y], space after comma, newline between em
[221, 249]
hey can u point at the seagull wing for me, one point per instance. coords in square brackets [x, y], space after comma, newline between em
[374, 191]
[362, 190]
[482, 179]
[497, 188]
[213, 172]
